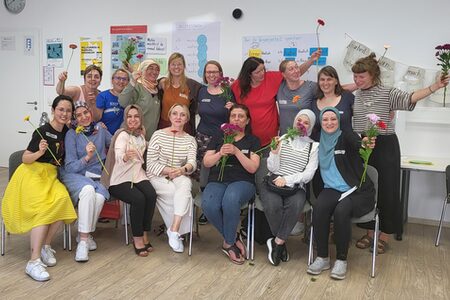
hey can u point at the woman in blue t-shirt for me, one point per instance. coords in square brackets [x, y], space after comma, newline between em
[109, 110]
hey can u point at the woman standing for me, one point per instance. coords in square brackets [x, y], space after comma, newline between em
[82, 174]
[87, 92]
[222, 199]
[373, 98]
[107, 102]
[50, 205]
[178, 89]
[171, 157]
[143, 91]
[294, 161]
[341, 169]
[128, 181]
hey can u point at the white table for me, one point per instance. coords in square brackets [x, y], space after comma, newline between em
[437, 165]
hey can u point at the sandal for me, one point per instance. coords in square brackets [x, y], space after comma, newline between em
[148, 247]
[237, 253]
[364, 242]
[382, 247]
[240, 244]
[142, 252]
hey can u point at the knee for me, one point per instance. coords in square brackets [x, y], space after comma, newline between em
[87, 192]
[342, 213]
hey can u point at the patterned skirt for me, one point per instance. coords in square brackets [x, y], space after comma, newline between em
[35, 197]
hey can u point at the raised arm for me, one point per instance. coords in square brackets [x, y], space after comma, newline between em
[425, 92]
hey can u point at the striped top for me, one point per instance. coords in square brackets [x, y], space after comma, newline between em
[381, 101]
[295, 161]
[167, 150]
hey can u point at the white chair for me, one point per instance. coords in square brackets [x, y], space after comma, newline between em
[371, 216]
[444, 205]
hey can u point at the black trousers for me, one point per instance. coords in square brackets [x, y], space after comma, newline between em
[324, 208]
[142, 199]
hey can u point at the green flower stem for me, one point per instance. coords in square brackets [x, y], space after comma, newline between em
[48, 148]
[98, 154]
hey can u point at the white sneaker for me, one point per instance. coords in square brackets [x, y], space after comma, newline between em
[339, 269]
[90, 241]
[298, 228]
[36, 270]
[320, 264]
[175, 241]
[48, 256]
[82, 254]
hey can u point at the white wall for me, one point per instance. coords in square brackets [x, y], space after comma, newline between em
[412, 28]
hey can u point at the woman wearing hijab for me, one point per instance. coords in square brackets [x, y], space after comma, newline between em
[128, 181]
[341, 169]
[295, 162]
[82, 173]
[143, 91]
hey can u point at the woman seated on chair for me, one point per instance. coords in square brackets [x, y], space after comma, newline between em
[229, 189]
[128, 181]
[295, 162]
[35, 199]
[341, 169]
[81, 175]
[171, 157]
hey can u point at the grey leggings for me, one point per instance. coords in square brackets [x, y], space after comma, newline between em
[281, 212]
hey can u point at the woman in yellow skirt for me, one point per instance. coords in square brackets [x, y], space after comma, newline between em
[35, 199]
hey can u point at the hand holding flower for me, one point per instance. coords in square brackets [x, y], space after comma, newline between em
[228, 105]
[368, 144]
[316, 54]
[228, 149]
[62, 76]
[43, 145]
[90, 150]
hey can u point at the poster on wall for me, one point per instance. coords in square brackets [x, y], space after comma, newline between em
[91, 52]
[54, 50]
[273, 49]
[127, 44]
[355, 51]
[198, 42]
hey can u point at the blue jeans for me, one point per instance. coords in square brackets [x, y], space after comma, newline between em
[221, 203]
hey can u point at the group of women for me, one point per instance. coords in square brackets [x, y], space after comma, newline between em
[157, 149]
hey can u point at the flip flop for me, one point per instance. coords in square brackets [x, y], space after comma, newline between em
[364, 242]
[237, 253]
[242, 246]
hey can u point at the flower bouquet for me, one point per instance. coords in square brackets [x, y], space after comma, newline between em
[230, 131]
[375, 124]
[225, 86]
[129, 49]
[443, 55]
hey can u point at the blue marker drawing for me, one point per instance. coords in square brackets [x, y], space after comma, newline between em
[202, 50]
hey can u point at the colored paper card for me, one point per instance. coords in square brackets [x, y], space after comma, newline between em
[324, 51]
[254, 53]
[322, 61]
[290, 52]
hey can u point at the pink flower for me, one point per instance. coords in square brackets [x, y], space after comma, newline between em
[373, 118]
[139, 56]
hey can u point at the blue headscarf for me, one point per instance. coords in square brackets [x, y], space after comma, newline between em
[328, 140]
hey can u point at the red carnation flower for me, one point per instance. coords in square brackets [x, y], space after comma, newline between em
[321, 22]
[73, 46]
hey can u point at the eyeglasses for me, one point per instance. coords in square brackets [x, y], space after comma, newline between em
[212, 72]
[120, 78]
[62, 110]
[178, 65]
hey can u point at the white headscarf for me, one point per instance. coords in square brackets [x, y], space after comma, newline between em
[300, 142]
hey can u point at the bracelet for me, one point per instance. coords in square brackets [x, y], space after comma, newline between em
[429, 87]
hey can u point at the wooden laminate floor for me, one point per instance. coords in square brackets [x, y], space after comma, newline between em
[412, 269]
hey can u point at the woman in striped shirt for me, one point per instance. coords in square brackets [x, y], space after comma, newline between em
[171, 157]
[295, 161]
[374, 98]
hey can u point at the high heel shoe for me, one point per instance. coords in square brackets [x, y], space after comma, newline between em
[142, 252]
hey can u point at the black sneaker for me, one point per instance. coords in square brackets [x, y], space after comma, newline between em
[202, 220]
[284, 253]
[275, 250]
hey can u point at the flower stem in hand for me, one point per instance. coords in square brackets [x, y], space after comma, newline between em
[27, 118]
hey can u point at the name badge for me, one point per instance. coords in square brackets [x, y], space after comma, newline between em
[339, 151]
[53, 136]
[244, 151]
[183, 96]
[206, 100]
[341, 112]
[282, 102]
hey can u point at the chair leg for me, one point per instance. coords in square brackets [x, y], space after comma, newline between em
[253, 232]
[69, 236]
[191, 226]
[64, 237]
[3, 238]
[311, 236]
[125, 216]
[444, 207]
[376, 235]
[250, 231]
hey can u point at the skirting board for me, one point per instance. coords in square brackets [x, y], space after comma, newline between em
[427, 222]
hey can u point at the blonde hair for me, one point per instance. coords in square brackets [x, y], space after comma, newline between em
[185, 108]
[168, 82]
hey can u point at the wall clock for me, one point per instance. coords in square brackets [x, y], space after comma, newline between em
[15, 6]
